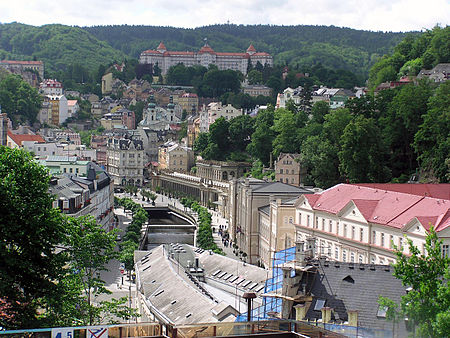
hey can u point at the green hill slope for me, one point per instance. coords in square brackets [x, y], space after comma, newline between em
[335, 47]
[57, 45]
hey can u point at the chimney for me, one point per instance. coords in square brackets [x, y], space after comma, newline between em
[300, 252]
[326, 314]
[352, 318]
[248, 296]
[300, 312]
[311, 249]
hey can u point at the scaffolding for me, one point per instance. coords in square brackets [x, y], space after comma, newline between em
[271, 306]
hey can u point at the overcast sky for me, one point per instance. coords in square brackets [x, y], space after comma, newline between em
[376, 15]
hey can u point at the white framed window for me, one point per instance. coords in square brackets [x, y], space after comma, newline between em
[344, 255]
[330, 226]
[323, 224]
[445, 250]
[308, 220]
[391, 242]
[361, 235]
[336, 253]
[374, 237]
[352, 257]
[345, 230]
[382, 239]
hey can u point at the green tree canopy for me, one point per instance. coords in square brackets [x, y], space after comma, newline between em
[30, 230]
[363, 155]
[19, 100]
[432, 140]
[427, 304]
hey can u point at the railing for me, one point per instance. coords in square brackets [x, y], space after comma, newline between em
[229, 329]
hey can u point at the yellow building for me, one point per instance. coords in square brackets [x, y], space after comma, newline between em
[107, 81]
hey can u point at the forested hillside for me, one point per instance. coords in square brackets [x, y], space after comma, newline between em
[57, 45]
[301, 46]
[412, 54]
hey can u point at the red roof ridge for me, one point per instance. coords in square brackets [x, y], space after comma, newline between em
[19, 138]
[161, 46]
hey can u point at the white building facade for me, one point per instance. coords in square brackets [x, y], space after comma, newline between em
[204, 57]
[359, 224]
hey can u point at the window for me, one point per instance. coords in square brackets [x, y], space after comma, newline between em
[308, 219]
[316, 225]
[329, 249]
[281, 180]
[345, 230]
[337, 228]
[322, 247]
[71, 170]
[77, 171]
[336, 252]
[382, 310]
[292, 172]
[353, 232]
[65, 170]
[330, 226]
[382, 239]
[344, 255]
[352, 257]
[400, 243]
[391, 242]
[323, 224]
[281, 171]
[361, 235]
[360, 258]
[374, 237]
[445, 250]
[291, 220]
[372, 259]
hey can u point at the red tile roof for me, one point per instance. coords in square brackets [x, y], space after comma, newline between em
[149, 51]
[206, 49]
[384, 207]
[161, 46]
[251, 48]
[19, 138]
[15, 62]
[431, 190]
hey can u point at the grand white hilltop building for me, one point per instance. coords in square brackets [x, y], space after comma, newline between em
[204, 57]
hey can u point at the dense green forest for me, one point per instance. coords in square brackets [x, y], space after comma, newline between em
[58, 46]
[298, 46]
[301, 47]
[376, 138]
[412, 54]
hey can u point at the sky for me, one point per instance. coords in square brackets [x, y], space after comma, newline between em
[375, 15]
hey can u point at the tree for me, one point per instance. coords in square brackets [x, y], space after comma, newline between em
[18, 99]
[254, 77]
[427, 304]
[201, 142]
[30, 230]
[432, 140]
[285, 129]
[218, 134]
[240, 130]
[90, 249]
[363, 155]
[260, 146]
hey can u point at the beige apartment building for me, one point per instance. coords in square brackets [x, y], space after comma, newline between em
[276, 227]
[175, 157]
[289, 170]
